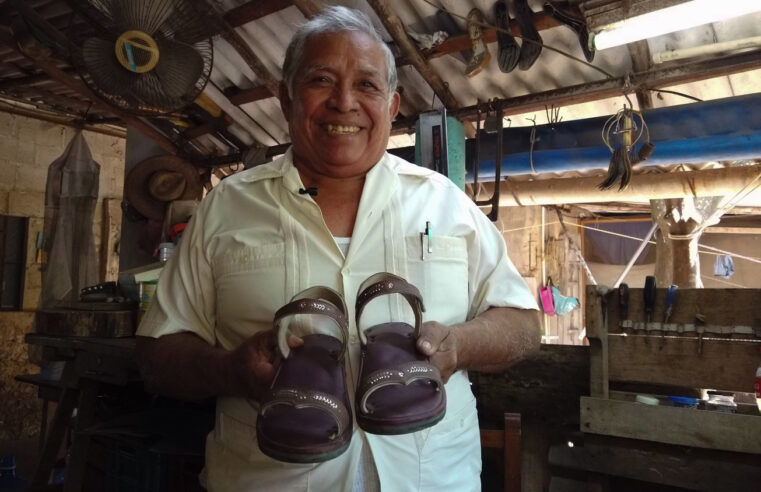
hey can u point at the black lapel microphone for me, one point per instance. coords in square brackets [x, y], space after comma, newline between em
[311, 191]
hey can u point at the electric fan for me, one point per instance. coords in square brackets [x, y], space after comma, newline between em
[149, 56]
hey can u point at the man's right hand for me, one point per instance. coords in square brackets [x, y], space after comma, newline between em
[254, 362]
[183, 365]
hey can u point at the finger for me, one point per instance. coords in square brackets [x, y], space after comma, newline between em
[294, 341]
[433, 337]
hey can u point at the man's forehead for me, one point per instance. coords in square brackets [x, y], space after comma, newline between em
[368, 71]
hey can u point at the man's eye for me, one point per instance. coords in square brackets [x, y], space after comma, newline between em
[368, 84]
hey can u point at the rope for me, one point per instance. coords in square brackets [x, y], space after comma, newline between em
[713, 252]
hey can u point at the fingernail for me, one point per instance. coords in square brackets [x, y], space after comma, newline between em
[426, 346]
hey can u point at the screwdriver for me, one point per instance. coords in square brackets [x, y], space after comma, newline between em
[623, 305]
[648, 297]
[670, 299]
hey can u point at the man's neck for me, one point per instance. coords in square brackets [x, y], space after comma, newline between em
[338, 199]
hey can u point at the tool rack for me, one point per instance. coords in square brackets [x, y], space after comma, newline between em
[711, 341]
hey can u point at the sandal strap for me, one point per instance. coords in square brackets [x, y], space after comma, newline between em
[385, 283]
[314, 300]
[299, 398]
[403, 374]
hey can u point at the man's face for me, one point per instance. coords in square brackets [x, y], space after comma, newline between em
[340, 116]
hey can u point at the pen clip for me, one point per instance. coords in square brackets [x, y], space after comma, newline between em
[429, 235]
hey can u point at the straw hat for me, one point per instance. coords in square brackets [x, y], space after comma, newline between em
[156, 181]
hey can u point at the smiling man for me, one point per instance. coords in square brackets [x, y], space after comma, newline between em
[263, 235]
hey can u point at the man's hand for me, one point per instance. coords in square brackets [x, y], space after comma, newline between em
[439, 343]
[253, 362]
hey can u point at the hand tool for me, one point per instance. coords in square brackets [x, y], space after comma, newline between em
[670, 299]
[700, 323]
[623, 305]
[648, 296]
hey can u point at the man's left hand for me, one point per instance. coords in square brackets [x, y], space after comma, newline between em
[439, 343]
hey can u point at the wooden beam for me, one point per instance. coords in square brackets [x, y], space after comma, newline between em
[240, 97]
[395, 28]
[51, 98]
[256, 9]
[672, 425]
[640, 55]
[642, 188]
[732, 230]
[28, 80]
[209, 127]
[111, 227]
[61, 120]
[676, 73]
[656, 463]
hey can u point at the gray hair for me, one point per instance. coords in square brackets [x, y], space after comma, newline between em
[332, 20]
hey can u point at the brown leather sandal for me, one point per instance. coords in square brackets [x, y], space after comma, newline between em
[305, 416]
[481, 55]
[399, 391]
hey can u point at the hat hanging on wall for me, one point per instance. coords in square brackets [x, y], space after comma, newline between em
[156, 181]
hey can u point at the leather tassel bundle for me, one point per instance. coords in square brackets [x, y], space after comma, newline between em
[621, 134]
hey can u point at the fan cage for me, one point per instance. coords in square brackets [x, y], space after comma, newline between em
[183, 25]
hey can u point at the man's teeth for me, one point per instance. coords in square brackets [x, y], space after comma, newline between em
[341, 129]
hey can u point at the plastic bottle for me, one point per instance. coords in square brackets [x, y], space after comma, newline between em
[758, 387]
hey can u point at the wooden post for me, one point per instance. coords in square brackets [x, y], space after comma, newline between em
[111, 227]
[679, 219]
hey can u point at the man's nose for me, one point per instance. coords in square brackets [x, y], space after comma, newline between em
[343, 98]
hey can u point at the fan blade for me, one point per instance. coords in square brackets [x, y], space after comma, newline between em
[143, 15]
[104, 69]
[179, 67]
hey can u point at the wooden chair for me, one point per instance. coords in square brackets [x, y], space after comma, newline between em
[509, 440]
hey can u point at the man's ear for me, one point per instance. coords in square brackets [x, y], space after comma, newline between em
[285, 101]
[393, 106]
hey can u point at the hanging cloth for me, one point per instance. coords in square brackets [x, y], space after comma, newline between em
[71, 193]
[724, 266]
[545, 296]
[563, 305]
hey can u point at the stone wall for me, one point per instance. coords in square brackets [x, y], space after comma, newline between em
[27, 147]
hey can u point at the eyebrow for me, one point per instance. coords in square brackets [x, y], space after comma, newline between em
[369, 72]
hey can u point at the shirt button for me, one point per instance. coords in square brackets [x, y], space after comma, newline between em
[352, 338]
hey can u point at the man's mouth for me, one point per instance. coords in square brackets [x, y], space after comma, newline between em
[340, 129]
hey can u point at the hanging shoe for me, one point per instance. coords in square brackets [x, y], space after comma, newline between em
[448, 24]
[579, 26]
[509, 50]
[529, 51]
[481, 55]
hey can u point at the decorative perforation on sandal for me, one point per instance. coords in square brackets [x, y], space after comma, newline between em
[402, 374]
[309, 399]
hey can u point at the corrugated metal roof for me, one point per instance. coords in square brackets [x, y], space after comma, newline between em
[260, 122]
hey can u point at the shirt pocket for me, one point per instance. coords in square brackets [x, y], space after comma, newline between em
[441, 275]
[249, 284]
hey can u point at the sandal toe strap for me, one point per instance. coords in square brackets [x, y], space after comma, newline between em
[310, 399]
[403, 374]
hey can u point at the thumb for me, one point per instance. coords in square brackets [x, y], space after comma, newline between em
[431, 336]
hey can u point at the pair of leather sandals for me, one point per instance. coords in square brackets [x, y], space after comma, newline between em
[305, 416]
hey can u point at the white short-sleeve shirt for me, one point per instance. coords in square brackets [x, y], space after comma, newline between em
[255, 241]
